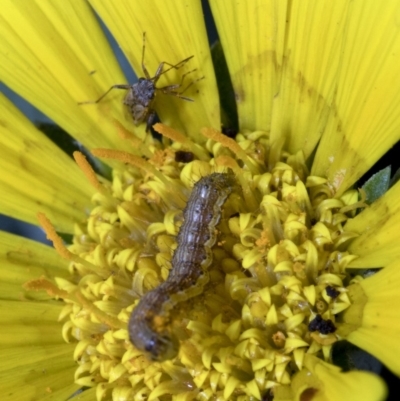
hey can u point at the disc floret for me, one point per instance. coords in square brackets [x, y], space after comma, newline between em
[277, 280]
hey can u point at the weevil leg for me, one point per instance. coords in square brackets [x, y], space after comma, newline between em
[150, 120]
[121, 86]
[177, 94]
[176, 66]
[144, 69]
[190, 84]
[160, 70]
[171, 89]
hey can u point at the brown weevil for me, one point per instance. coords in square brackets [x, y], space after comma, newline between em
[141, 95]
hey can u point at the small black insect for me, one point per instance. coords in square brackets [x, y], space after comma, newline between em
[141, 95]
[321, 325]
[332, 292]
[183, 157]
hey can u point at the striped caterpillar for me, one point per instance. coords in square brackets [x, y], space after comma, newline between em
[149, 324]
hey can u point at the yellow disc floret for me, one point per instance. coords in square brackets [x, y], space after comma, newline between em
[277, 279]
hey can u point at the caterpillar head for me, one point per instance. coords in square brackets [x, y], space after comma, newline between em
[157, 346]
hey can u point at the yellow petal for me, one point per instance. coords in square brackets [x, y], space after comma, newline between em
[37, 372]
[379, 332]
[378, 227]
[37, 175]
[33, 323]
[309, 71]
[86, 395]
[321, 381]
[22, 260]
[364, 122]
[252, 35]
[285, 81]
[12, 358]
[55, 55]
[174, 31]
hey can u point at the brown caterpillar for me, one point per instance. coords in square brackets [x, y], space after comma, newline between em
[149, 324]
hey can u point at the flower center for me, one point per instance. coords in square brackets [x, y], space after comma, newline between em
[277, 272]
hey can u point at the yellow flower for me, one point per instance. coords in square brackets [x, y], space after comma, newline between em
[317, 91]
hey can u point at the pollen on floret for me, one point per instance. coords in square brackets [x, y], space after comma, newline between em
[277, 280]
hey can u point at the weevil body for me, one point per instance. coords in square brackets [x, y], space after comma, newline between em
[141, 95]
